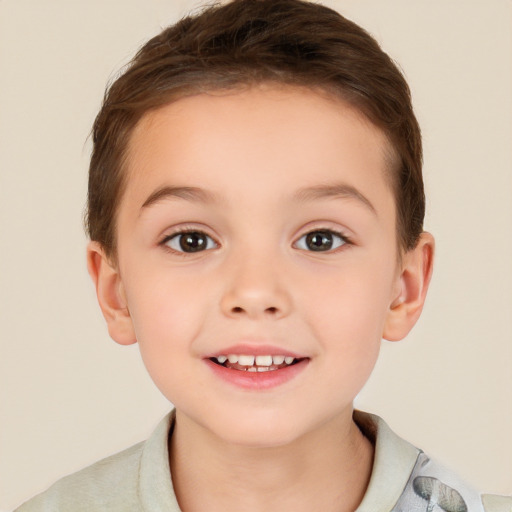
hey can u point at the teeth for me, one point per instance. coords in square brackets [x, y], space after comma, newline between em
[255, 363]
[252, 369]
[246, 360]
[263, 360]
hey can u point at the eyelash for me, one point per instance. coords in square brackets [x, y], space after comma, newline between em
[345, 240]
[182, 232]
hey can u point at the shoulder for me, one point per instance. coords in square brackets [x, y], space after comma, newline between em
[494, 503]
[432, 484]
[406, 479]
[109, 484]
[133, 480]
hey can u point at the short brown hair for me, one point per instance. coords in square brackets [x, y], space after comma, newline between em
[247, 42]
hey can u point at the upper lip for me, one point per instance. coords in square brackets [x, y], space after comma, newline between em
[256, 350]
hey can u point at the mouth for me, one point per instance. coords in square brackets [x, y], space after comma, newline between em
[255, 363]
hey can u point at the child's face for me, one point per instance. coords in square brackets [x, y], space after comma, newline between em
[293, 252]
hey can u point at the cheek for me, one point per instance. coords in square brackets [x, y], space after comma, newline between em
[166, 320]
[165, 312]
[348, 327]
[348, 308]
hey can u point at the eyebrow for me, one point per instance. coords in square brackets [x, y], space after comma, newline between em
[303, 195]
[188, 193]
[342, 190]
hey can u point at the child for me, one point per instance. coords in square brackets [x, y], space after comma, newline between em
[255, 213]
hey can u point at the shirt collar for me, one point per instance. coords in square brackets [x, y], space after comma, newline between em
[393, 463]
[394, 460]
[156, 493]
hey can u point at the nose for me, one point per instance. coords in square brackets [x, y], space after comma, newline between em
[254, 289]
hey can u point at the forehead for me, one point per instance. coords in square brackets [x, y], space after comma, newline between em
[256, 142]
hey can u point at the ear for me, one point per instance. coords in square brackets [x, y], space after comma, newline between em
[110, 293]
[411, 290]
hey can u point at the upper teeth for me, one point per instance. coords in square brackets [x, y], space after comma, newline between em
[250, 360]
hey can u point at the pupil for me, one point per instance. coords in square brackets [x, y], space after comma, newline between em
[192, 242]
[319, 241]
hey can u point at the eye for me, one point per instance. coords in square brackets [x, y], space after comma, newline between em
[189, 242]
[321, 241]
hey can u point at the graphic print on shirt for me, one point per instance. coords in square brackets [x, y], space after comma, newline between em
[438, 494]
[431, 488]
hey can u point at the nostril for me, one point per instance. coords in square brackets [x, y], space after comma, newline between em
[272, 310]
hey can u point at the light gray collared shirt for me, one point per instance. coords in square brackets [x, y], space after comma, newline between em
[138, 479]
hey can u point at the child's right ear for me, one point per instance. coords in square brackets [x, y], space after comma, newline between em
[111, 295]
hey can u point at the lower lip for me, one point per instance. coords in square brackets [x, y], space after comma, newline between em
[258, 380]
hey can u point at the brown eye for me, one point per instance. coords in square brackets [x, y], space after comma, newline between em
[190, 241]
[320, 241]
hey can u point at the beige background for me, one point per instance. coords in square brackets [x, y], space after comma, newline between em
[69, 395]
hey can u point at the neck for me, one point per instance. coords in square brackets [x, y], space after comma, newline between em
[328, 469]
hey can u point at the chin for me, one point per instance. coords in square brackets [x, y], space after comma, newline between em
[260, 438]
[260, 431]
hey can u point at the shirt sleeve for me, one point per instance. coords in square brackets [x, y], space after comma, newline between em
[494, 503]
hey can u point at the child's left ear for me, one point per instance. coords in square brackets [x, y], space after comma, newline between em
[412, 286]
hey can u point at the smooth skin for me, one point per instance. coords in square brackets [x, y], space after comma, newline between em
[252, 173]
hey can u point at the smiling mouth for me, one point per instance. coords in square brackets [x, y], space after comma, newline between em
[260, 363]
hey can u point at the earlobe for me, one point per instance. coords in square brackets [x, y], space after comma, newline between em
[414, 279]
[110, 294]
